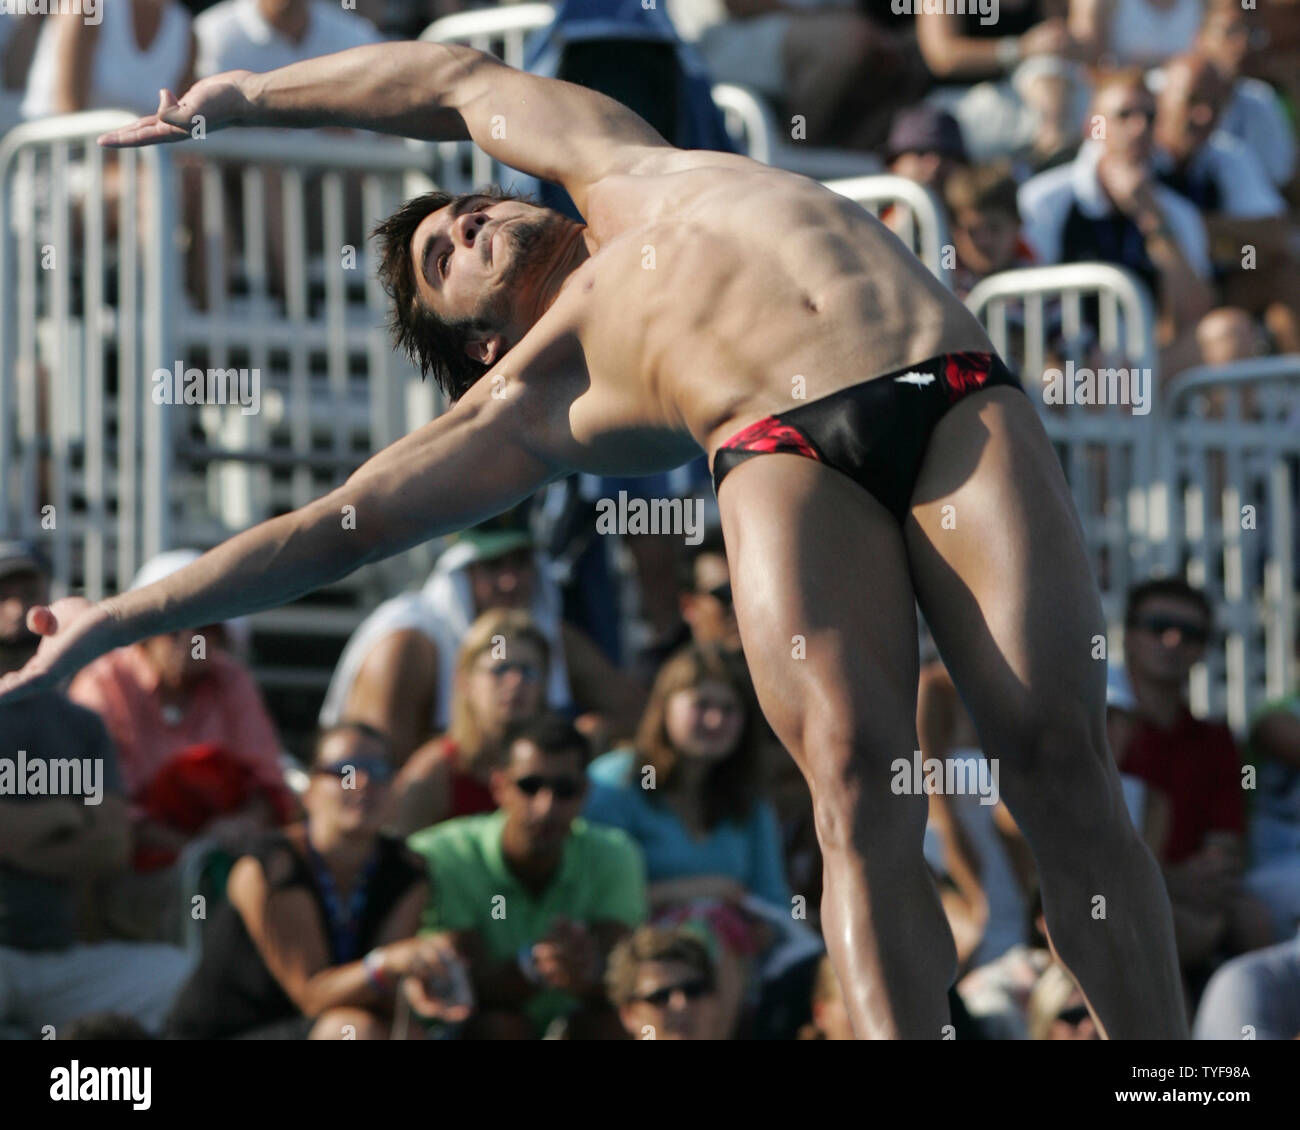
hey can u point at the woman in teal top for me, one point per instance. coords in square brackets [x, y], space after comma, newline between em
[689, 793]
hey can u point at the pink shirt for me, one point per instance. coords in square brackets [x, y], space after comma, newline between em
[225, 707]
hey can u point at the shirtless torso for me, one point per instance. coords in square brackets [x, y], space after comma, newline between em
[715, 283]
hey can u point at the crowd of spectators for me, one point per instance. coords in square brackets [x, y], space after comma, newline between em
[514, 823]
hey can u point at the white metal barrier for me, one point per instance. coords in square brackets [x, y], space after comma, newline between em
[1230, 459]
[753, 126]
[749, 119]
[101, 299]
[503, 32]
[78, 463]
[1038, 320]
[921, 222]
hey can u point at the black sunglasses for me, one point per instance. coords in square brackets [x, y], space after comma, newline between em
[720, 592]
[1074, 1016]
[378, 771]
[1190, 630]
[692, 990]
[563, 788]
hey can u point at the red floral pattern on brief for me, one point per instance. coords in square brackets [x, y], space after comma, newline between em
[769, 435]
[963, 373]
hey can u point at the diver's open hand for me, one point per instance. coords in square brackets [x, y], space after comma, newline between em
[75, 630]
[214, 102]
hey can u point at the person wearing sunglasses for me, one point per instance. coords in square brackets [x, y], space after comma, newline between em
[501, 675]
[317, 935]
[532, 896]
[1107, 205]
[662, 983]
[1195, 764]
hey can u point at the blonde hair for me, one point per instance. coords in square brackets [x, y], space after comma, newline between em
[1051, 992]
[504, 624]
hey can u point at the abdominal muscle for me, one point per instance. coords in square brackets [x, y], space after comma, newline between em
[713, 317]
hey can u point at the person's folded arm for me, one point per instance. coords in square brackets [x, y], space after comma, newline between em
[99, 845]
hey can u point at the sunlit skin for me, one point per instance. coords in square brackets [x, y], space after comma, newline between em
[703, 293]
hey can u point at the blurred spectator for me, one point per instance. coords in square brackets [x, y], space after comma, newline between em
[397, 672]
[500, 676]
[823, 60]
[1057, 1010]
[690, 794]
[997, 994]
[661, 982]
[705, 612]
[980, 892]
[1228, 334]
[925, 145]
[965, 46]
[535, 897]
[830, 1019]
[261, 35]
[1256, 995]
[1148, 808]
[198, 751]
[18, 36]
[53, 843]
[1197, 767]
[173, 698]
[1133, 33]
[1106, 205]
[319, 924]
[1254, 112]
[118, 63]
[1274, 877]
[1251, 240]
[985, 222]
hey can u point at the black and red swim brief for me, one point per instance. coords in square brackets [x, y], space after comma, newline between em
[875, 432]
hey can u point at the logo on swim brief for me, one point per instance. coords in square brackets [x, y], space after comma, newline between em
[965, 372]
[915, 379]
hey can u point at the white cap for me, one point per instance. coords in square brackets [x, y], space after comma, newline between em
[171, 561]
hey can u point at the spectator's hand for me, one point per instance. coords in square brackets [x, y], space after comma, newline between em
[568, 958]
[75, 630]
[1128, 185]
[437, 985]
[1051, 37]
[220, 101]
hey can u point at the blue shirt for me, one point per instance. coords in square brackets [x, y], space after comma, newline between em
[749, 852]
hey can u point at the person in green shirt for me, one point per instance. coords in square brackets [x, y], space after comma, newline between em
[532, 896]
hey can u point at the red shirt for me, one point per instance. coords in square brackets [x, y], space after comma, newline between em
[225, 708]
[1196, 765]
[469, 795]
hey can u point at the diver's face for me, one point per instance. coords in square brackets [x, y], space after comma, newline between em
[475, 256]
